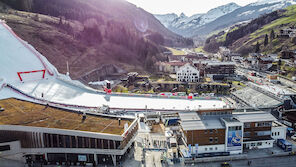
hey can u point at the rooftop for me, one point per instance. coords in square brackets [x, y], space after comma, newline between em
[18, 112]
[211, 123]
[189, 116]
[220, 63]
[230, 119]
[255, 98]
[254, 117]
[277, 124]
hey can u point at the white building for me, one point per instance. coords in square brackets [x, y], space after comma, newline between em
[278, 130]
[187, 73]
[223, 132]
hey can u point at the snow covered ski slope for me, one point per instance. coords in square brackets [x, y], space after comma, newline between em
[18, 56]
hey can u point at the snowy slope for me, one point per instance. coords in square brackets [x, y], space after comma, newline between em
[222, 17]
[248, 12]
[166, 19]
[18, 56]
[57, 88]
[183, 24]
[262, 2]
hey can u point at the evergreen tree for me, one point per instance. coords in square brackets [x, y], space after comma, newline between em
[272, 35]
[257, 47]
[266, 40]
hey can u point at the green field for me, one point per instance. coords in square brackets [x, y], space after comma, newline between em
[199, 49]
[175, 51]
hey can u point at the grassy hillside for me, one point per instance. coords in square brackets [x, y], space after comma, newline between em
[129, 15]
[86, 44]
[175, 51]
[275, 45]
[243, 39]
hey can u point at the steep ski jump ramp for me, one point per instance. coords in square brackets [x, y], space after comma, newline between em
[20, 60]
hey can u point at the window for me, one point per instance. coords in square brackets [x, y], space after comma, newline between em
[206, 131]
[61, 140]
[211, 140]
[55, 140]
[73, 139]
[216, 139]
[79, 142]
[259, 144]
[211, 148]
[86, 142]
[247, 134]
[278, 133]
[263, 133]
[252, 144]
[92, 143]
[247, 125]
[272, 134]
[5, 148]
[206, 149]
[211, 131]
[99, 143]
[263, 124]
[216, 148]
[67, 141]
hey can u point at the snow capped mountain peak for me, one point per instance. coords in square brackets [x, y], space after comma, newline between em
[225, 8]
[166, 19]
[182, 15]
[183, 22]
[263, 2]
[222, 16]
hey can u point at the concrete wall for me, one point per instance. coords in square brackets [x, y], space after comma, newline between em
[14, 153]
[256, 144]
[209, 148]
[278, 132]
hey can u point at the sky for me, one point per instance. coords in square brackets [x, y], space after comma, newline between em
[189, 7]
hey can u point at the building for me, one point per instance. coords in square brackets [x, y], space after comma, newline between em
[288, 32]
[219, 68]
[287, 54]
[259, 61]
[264, 63]
[45, 134]
[278, 130]
[170, 67]
[256, 130]
[203, 135]
[221, 132]
[187, 73]
[223, 53]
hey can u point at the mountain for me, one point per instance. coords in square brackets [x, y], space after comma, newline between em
[119, 10]
[166, 19]
[183, 24]
[89, 34]
[244, 38]
[242, 14]
[223, 17]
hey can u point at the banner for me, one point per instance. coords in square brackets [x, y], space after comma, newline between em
[234, 140]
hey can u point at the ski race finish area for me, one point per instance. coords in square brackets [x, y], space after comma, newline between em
[26, 74]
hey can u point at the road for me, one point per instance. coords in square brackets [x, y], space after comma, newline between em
[287, 161]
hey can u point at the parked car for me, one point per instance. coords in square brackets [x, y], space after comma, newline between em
[225, 164]
[293, 137]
